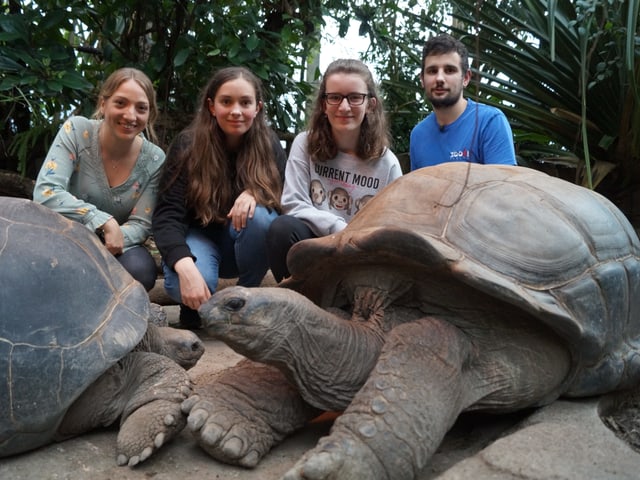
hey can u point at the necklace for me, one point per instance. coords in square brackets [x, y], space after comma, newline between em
[115, 162]
[111, 163]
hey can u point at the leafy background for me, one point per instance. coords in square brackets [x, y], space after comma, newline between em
[565, 72]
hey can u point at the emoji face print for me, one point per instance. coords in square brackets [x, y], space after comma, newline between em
[317, 192]
[339, 199]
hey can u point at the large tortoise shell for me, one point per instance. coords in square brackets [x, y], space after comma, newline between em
[68, 312]
[561, 254]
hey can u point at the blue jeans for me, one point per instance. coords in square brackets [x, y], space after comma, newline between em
[222, 252]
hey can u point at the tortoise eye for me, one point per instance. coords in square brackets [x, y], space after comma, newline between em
[235, 304]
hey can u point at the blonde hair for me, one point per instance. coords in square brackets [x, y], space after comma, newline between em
[117, 78]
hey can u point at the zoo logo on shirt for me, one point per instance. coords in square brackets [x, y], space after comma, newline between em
[459, 156]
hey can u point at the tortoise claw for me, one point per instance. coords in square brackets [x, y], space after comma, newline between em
[227, 435]
[337, 457]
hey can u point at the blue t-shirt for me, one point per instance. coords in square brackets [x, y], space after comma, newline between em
[480, 135]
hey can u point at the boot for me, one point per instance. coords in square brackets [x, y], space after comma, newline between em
[189, 318]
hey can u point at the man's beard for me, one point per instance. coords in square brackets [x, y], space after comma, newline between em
[448, 100]
[445, 102]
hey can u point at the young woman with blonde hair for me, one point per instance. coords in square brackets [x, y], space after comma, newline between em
[104, 172]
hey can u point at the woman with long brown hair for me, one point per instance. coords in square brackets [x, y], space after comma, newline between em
[219, 193]
[337, 165]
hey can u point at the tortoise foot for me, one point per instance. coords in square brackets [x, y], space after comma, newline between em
[239, 415]
[337, 457]
[226, 434]
[147, 429]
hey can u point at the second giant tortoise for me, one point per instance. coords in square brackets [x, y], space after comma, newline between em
[76, 349]
[458, 287]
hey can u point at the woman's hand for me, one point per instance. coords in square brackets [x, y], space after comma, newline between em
[243, 208]
[193, 289]
[113, 237]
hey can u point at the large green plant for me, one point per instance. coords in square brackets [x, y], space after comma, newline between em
[39, 79]
[565, 72]
[54, 53]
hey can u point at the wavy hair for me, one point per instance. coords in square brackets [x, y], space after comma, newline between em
[212, 183]
[374, 134]
[117, 78]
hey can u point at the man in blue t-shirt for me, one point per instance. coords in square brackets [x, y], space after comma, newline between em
[459, 129]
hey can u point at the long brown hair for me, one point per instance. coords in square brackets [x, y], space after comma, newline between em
[212, 188]
[374, 134]
[117, 78]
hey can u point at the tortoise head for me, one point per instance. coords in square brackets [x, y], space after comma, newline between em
[256, 322]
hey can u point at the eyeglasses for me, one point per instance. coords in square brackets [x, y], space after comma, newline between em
[352, 98]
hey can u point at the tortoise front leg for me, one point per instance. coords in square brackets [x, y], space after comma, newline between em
[247, 409]
[430, 371]
[145, 390]
[400, 416]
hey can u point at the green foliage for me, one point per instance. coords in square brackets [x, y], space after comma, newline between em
[565, 72]
[54, 54]
[38, 76]
[575, 76]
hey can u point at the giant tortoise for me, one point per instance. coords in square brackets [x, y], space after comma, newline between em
[458, 287]
[76, 349]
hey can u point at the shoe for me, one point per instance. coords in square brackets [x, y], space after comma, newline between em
[189, 318]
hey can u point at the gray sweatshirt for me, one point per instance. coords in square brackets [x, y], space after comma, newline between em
[326, 195]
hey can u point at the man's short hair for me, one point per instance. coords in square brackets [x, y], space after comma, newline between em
[442, 44]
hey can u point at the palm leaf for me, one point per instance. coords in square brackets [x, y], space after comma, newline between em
[569, 81]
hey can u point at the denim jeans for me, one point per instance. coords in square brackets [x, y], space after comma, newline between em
[223, 252]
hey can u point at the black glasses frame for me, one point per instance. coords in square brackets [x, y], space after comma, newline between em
[353, 98]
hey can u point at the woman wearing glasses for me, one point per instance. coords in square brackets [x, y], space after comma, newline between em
[337, 165]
